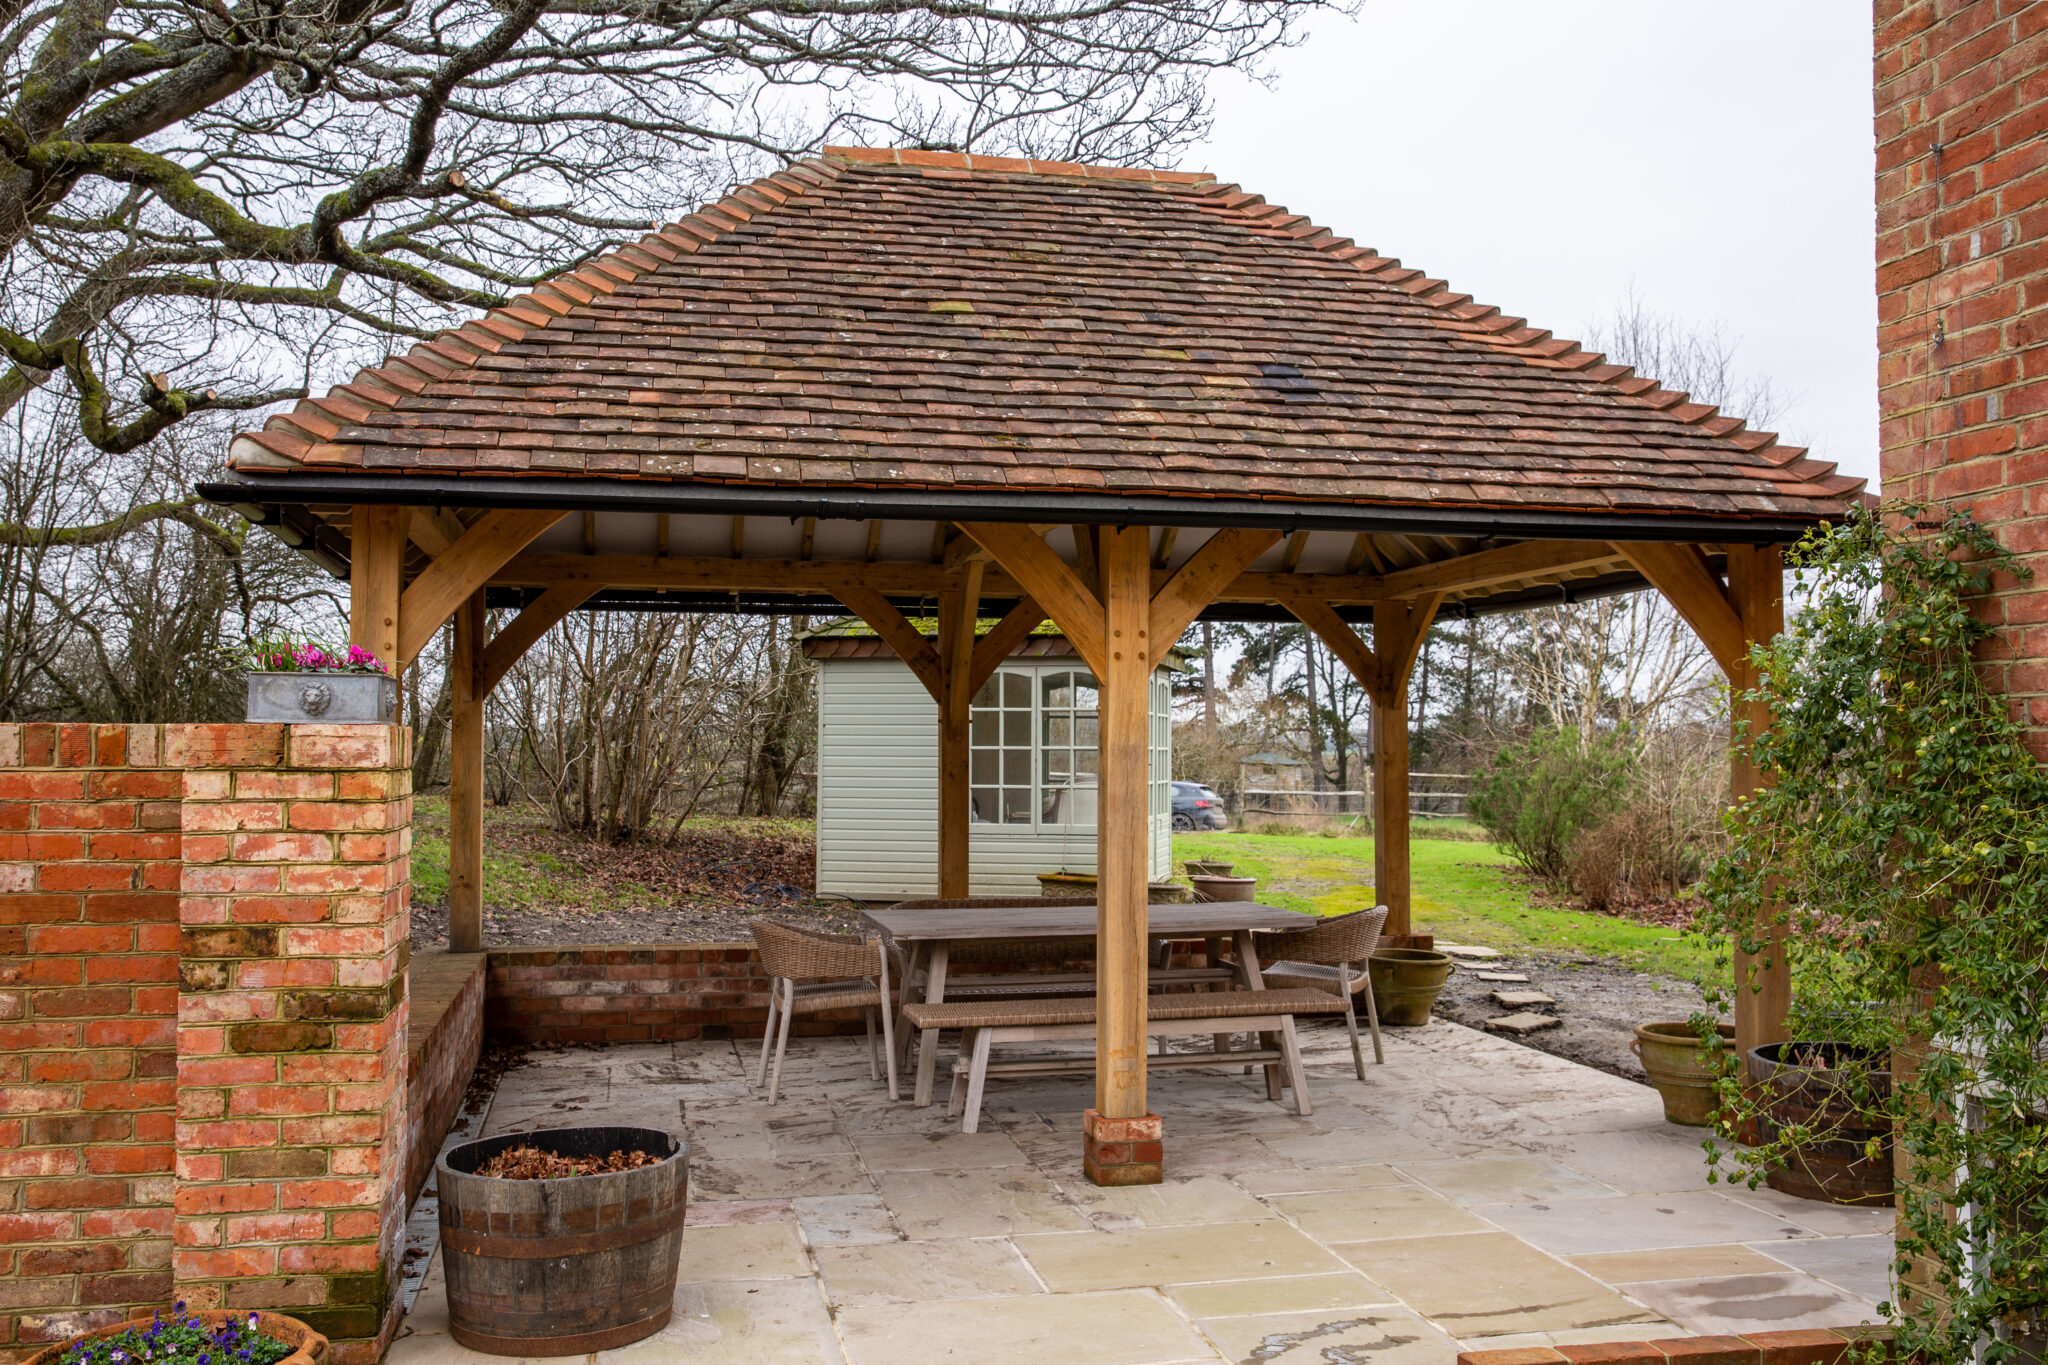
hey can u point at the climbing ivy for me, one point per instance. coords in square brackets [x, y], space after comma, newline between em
[1900, 848]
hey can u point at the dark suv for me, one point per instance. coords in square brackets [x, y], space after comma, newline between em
[1197, 807]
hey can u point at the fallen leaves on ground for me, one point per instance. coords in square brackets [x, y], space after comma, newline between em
[531, 1163]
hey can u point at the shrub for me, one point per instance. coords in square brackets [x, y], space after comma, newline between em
[1538, 796]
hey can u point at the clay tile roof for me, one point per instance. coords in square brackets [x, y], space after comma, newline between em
[905, 319]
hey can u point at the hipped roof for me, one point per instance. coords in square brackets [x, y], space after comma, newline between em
[881, 319]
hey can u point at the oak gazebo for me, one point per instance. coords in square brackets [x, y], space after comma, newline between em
[1115, 398]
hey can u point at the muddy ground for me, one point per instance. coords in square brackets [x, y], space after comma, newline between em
[688, 923]
[1599, 1003]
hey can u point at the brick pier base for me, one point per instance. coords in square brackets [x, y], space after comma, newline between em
[1123, 1151]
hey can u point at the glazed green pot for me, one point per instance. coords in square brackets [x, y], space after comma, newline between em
[1670, 1053]
[1406, 982]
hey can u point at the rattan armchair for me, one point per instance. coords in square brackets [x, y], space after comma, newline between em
[1334, 956]
[809, 972]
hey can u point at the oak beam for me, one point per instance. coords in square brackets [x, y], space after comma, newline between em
[958, 615]
[1502, 564]
[1194, 585]
[469, 563]
[735, 575]
[1398, 632]
[1343, 642]
[1049, 581]
[466, 779]
[1756, 591]
[889, 623]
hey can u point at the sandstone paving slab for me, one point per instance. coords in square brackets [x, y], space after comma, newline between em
[952, 1150]
[1178, 1255]
[982, 1202]
[1225, 1155]
[1650, 1158]
[1489, 1283]
[1829, 1220]
[1384, 1336]
[742, 1251]
[1356, 1147]
[1680, 1263]
[1636, 1222]
[845, 1220]
[1307, 1179]
[1203, 1199]
[1575, 1336]
[1130, 1328]
[912, 1272]
[710, 1213]
[1503, 1180]
[438, 1348]
[1861, 1265]
[765, 1322]
[1361, 1215]
[1599, 1113]
[1737, 1304]
[777, 1178]
[1290, 1294]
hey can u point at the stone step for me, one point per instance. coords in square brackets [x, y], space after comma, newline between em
[1501, 976]
[1521, 1000]
[1524, 1023]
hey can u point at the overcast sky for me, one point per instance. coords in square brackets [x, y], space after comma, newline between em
[1546, 155]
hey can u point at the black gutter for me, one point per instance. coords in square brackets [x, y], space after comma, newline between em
[280, 491]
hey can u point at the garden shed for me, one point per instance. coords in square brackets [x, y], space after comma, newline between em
[1031, 766]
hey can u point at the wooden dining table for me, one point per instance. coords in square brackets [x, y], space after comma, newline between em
[927, 939]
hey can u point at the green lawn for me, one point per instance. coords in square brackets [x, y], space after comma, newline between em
[1462, 893]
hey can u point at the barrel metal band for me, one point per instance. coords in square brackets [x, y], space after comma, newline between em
[562, 1346]
[568, 1244]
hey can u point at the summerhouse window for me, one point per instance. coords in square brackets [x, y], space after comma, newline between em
[1032, 749]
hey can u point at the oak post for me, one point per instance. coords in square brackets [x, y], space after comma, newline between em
[1390, 803]
[1123, 824]
[1756, 589]
[466, 779]
[958, 609]
[377, 537]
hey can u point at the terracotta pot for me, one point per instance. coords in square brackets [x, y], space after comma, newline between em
[1805, 1083]
[308, 1345]
[1213, 888]
[1670, 1053]
[1406, 982]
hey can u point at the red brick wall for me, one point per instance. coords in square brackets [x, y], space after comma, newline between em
[1962, 278]
[445, 1035]
[88, 1004]
[633, 995]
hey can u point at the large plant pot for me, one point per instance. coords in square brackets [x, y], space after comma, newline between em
[330, 698]
[1209, 887]
[562, 1267]
[1804, 1083]
[1083, 884]
[1670, 1053]
[1406, 982]
[1208, 867]
[308, 1346]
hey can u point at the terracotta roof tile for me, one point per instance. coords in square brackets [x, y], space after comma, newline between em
[877, 317]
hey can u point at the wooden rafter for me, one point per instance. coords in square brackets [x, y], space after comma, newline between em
[1291, 559]
[810, 538]
[718, 574]
[1164, 554]
[874, 540]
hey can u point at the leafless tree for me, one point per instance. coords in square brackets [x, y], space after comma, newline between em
[183, 184]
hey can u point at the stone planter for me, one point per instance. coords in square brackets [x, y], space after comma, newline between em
[1670, 1053]
[1406, 982]
[1214, 888]
[330, 698]
[1804, 1083]
[308, 1346]
[1202, 867]
[562, 1267]
[1083, 884]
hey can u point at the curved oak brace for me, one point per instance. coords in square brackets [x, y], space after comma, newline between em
[910, 646]
[1680, 572]
[1001, 641]
[518, 635]
[1052, 583]
[446, 583]
[1335, 632]
[1194, 585]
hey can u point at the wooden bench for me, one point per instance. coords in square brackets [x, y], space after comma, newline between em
[984, 1023]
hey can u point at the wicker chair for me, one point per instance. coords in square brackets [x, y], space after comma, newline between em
[811, 971]
[1333, 956]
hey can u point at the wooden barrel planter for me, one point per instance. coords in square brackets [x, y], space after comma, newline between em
[1805, 1084]
[1214, 888]
[562, 1267]
[1670, 1053]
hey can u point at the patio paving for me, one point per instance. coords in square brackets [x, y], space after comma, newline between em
[1472, 1193]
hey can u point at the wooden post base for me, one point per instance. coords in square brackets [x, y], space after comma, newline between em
[1123, 1151]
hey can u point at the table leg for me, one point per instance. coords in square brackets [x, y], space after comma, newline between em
[1248, 968]
[1212, 949]
[913, 973]
[928, 1039]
